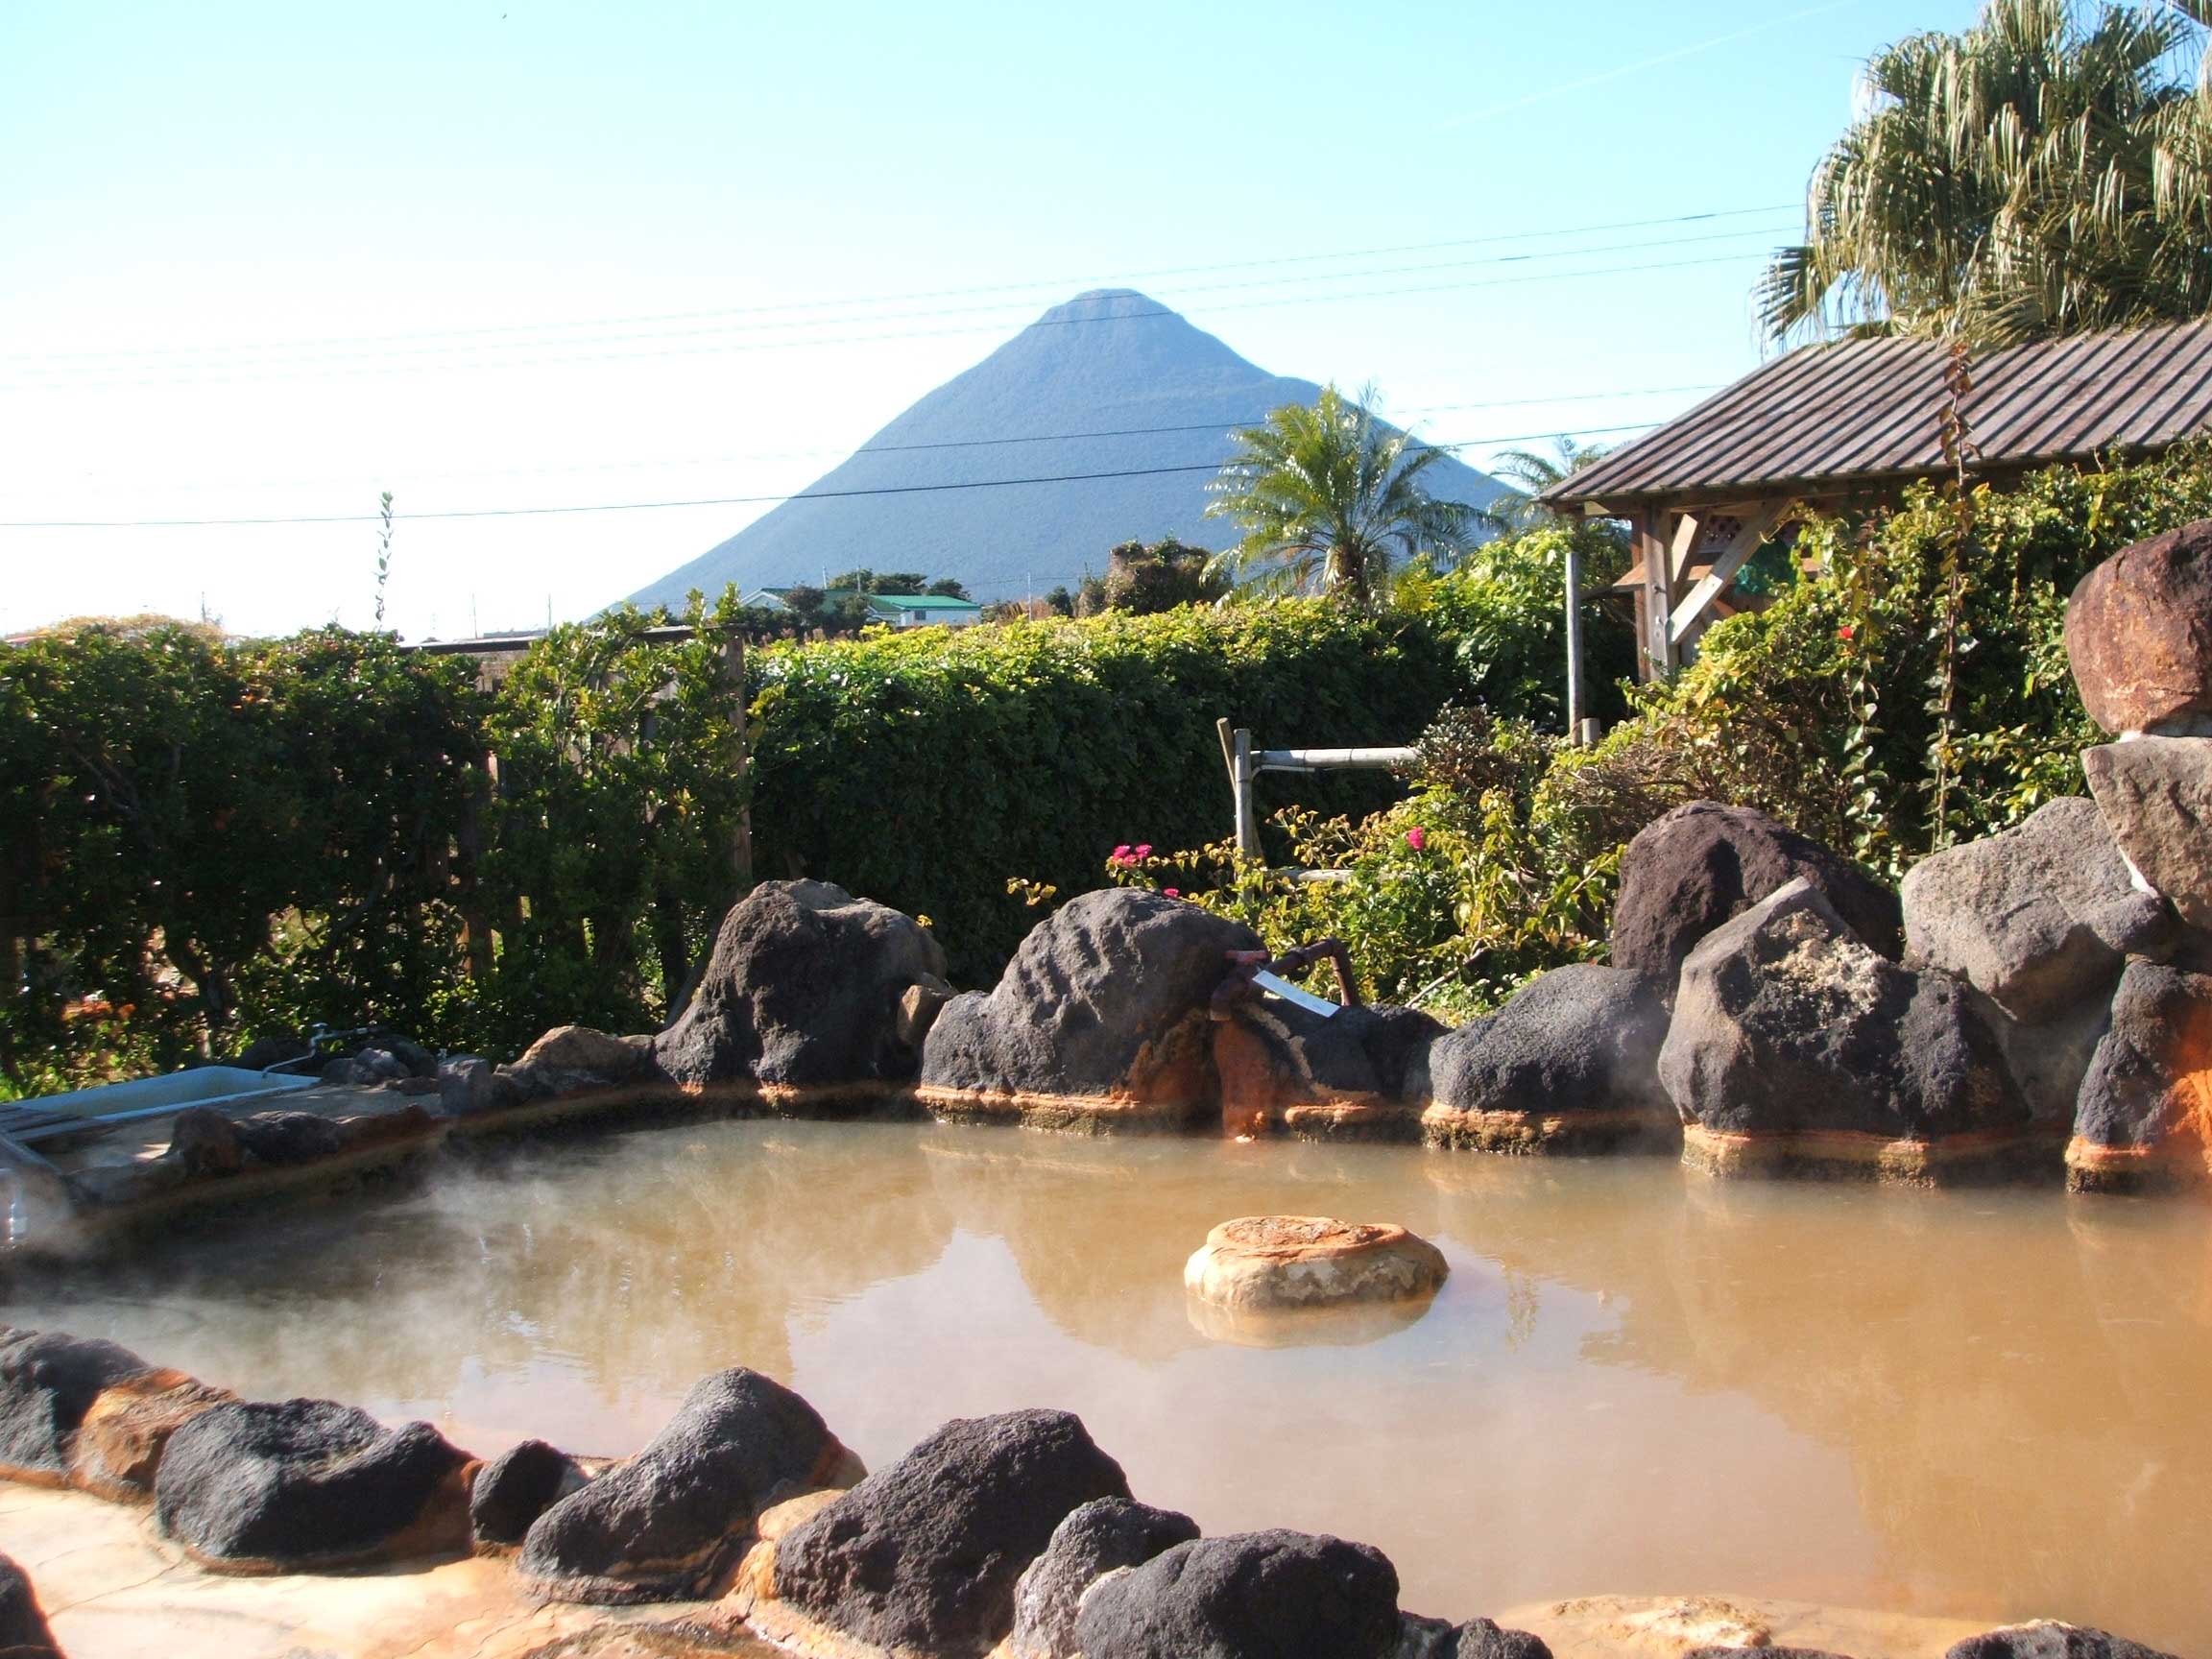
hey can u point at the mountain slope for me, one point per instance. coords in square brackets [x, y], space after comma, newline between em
[1107, 361]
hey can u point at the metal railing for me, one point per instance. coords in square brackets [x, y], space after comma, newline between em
[1245, 763]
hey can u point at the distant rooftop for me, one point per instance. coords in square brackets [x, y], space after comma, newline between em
[898, 601]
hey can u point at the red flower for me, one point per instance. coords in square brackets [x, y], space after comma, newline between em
[1847, 631]
[1172, 892]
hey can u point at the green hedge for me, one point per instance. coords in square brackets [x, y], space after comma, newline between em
[928, 768]
[201, 839]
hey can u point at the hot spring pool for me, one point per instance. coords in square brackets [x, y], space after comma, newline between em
[1991, 1405]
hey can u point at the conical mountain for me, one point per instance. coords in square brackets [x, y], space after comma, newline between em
[1109, 361]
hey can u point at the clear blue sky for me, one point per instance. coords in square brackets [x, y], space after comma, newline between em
[211, 214]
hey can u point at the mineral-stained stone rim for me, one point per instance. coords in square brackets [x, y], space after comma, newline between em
[1858, 1152]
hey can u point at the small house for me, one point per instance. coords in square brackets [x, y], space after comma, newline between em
[892, 610]
[1848, 425]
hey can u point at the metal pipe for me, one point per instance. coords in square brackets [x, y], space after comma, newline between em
[1332, 760]
[1247, 815]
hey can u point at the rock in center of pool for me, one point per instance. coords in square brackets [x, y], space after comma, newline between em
[1272, 1262]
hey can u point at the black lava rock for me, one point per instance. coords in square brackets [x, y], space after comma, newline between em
[1784, 1020]
[1690, 871]
[925, 1554]
[48, 1381]
[803, 988]
[1106, 997]
[1582, 1038]
[308, 1482]
[516, 1487]
[1285, 1595]
[23, 1631]
[281, 1137]
[1099, 1536]
[1485, 1639]
[663, 1525]
[2141, 1086]
[2047, 1639]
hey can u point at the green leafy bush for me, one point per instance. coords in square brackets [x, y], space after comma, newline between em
[1869, 709]
[927, 768]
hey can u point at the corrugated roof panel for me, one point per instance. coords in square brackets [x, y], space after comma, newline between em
[1872, 408]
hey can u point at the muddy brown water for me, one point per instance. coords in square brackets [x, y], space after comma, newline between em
[1992, 1404]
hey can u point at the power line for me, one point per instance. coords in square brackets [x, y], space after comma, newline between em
[1491, 240]
[287, 362]
[279, 372]
[1225, 423]
[711, 501]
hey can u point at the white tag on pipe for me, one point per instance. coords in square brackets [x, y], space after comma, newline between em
[1290, 993]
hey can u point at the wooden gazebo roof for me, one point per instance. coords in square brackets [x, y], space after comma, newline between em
[1832, 419]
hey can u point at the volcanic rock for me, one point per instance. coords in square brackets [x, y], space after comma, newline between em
[1789, 1030]
[203, 1141]
[2157, 794]
[803, 989]
[1570, 1060]
[2040, 918]
[365, 1069]
[2146, 1105]
[23, 1631]
[925, 1555]
[1485, 1639]
[2139, 633]
[248, 1487]
[1336, 1074]
[467, 1084]
[2049, 1059]
[518, 1486]
[287, 1138]
[576, 1060]
[1096, 1538]
[2047, 1639]
[1703, 863]
[121, 1442]
[1101, 1014]
[1309, 1261]
[663, 1524]
[79, 1411]
[1287, 1595]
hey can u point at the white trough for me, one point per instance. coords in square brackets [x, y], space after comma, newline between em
[49, 1115]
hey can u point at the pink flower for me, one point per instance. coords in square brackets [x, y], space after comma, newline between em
[1120, 856]
[1172, 892]
[1417, 838]
[1143, 849]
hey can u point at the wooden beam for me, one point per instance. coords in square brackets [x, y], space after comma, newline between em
[1659, 653]
[1683, 544]
[1746, 542]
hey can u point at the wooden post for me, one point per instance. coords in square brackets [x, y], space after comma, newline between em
[475, 920]
[1247, 818]
[734, 681]
[1659, 588]
[1574, 691]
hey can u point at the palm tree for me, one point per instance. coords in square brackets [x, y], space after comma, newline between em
[1531, 473]
[1325, 494]
[2033, 176]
